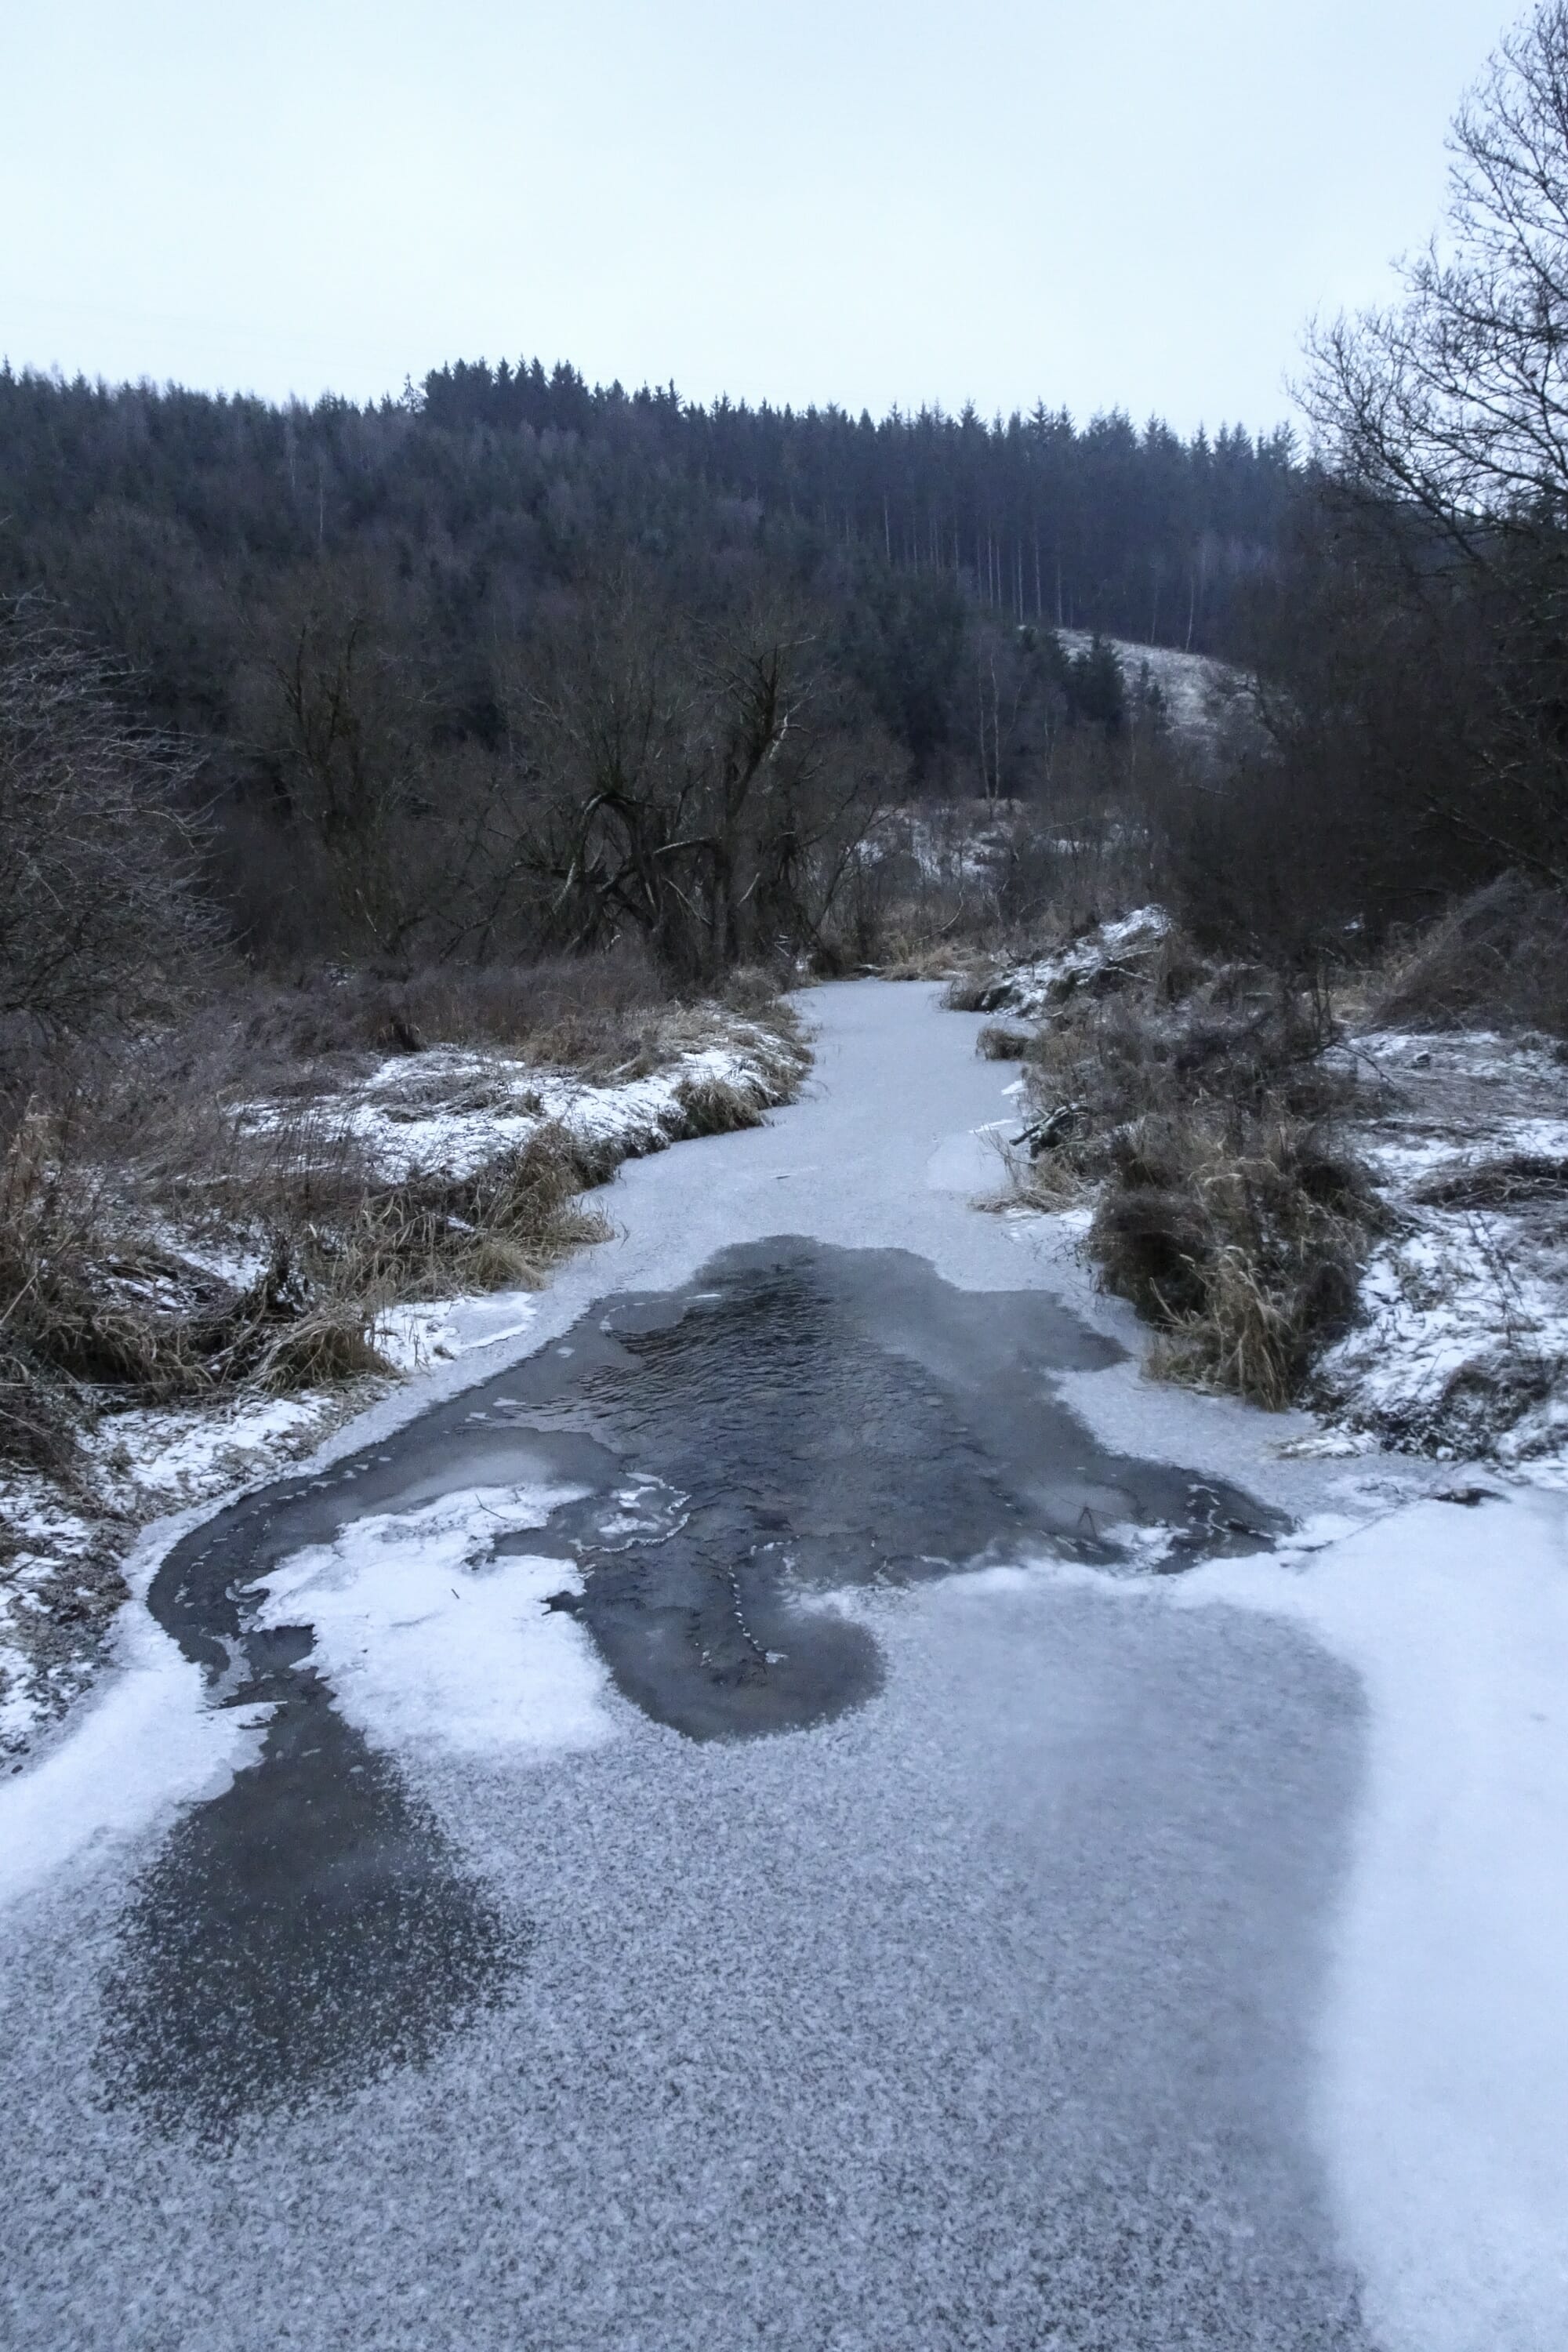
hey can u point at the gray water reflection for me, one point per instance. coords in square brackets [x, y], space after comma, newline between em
[801, 1419]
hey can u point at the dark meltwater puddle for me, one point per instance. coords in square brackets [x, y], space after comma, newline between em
[796, 1421]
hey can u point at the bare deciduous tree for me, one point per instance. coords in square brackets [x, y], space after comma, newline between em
[1448, 413]
[98, 917]
[691, 782]
[1457, 397]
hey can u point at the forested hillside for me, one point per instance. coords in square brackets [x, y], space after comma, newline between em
[390, 639]
[1137, 534]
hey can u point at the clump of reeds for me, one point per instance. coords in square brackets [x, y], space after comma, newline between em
[1198, 1108]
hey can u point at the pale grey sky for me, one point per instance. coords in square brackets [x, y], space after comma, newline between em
[1120, 202]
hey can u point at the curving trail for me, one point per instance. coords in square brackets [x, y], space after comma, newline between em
[714, 1837]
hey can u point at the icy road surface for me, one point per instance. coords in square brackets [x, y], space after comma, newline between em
[813, 1809]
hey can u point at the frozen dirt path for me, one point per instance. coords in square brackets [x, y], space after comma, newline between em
[1002, 1995]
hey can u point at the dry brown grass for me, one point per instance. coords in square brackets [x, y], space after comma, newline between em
[603, 1017]
[95, 1313]
[999, 1041]
[1240, 1241]
[1498, 960]
[716, 1106]
[1519, 1180]
[143, 1159]
[1198, 1111]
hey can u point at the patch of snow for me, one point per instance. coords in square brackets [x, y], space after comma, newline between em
[455, 1109]
[414, 1336]
[147, 1743]
[1461, 1349]
[1190, 684]
[1030, 988]
[431, 1640]
[158, 1457]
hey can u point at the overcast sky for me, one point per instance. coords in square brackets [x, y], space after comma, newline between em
[1129, 203]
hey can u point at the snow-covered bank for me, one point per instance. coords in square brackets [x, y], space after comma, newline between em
[454, 1107]
[1461, 1349]
[1453, 1144]
[1444, 2045]
[443, 1112]
[1110, 952]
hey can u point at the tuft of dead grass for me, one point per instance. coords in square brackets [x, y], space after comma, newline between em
[1197, 1108]
[1241, 1245]
[999, 1043]
[1516, 1181]
[713, 1106]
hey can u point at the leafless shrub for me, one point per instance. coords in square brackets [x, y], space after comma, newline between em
[1498, 959]
[1518, 1181]
[98, 916]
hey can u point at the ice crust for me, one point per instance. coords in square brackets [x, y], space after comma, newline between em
[1155, 1961]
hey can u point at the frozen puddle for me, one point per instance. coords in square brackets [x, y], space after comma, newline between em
[674, 1496]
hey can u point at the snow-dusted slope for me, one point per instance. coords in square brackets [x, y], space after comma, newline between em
[1190, 684]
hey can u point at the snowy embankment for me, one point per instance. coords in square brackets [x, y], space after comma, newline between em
[1459, 1346]
[1461, 1349]
[1104, 955]
[449, 1110]
[1442, 2074]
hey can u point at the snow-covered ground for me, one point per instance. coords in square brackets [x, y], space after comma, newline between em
[1462, 1347]
[446, 1109]
[454, 1107]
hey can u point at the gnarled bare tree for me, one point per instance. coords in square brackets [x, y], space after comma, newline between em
[696, 781]
[1448, 410]
[1456, 396]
